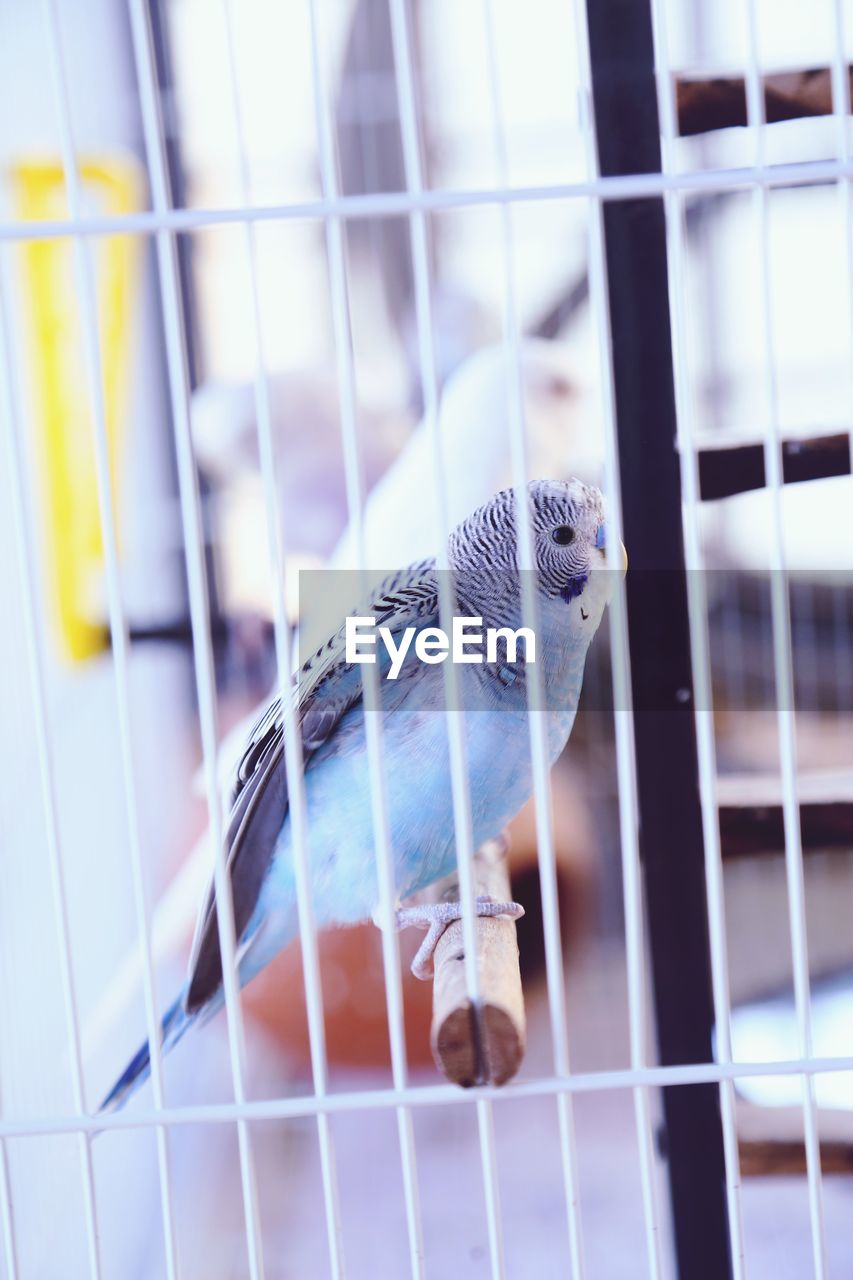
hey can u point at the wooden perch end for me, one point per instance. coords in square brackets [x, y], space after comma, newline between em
[494, 1060]
[485, 1045]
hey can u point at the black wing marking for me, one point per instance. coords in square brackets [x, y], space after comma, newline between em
[327, 687]
[262, 734]
[253, 826]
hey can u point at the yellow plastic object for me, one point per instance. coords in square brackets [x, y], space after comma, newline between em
[60, 407]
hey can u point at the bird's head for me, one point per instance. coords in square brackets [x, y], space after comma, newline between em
[569, 545]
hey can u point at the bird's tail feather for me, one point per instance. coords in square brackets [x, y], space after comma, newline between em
[175, 1023]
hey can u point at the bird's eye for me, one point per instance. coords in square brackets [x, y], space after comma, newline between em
[563, 534]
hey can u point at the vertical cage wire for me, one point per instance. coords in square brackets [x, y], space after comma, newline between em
[373, 720]
[783, 661]
[9, 1251]
[293, 752]
[622, 697]
[426, 351]
[627, 788]
[88, 311]
[28, 577]
[700, 644]
[455, 716]
[199, 613]
[554, 971]
[841, 109]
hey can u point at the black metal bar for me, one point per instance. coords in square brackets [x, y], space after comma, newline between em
[177, 631]
[628, 136]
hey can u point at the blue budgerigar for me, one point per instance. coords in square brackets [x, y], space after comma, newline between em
[567, 524]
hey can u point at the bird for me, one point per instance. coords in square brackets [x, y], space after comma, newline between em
[401, 519]
[569, 540]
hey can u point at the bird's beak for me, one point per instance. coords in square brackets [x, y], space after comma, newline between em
[601, 544]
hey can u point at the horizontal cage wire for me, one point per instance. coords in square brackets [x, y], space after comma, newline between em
[533, 318]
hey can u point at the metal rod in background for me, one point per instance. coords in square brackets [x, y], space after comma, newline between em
[628, 137]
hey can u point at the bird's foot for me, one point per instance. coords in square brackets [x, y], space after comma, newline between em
[436, 916]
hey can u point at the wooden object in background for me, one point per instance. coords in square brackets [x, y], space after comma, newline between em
[486, 1045]
[770, 1140]
[775, 1158]
[705, 103]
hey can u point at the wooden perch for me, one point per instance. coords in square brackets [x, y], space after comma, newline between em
[484, 1045]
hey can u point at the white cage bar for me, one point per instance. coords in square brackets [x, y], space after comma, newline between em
[432, 1095]
[117, 619]
[293, 761]
[9, 1253]
[784, 668]
[460, 782]
[700, 639]
[622, 698]
[538, 730]
[197, 585]
[393, 203]
[373, 722]
[28, 579]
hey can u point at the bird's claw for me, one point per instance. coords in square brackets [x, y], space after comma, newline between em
[436, 916]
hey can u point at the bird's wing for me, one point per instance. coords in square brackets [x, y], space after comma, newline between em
[325, 689]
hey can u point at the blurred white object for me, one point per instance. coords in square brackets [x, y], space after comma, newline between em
[305, 420]
[766, 1031]
[401, 517]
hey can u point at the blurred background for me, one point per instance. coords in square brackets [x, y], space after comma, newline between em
[539, 111]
